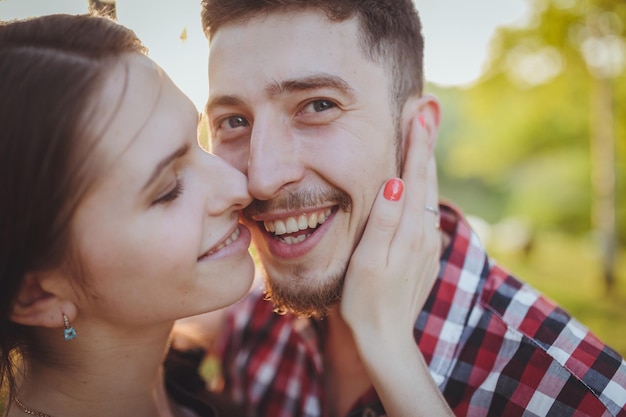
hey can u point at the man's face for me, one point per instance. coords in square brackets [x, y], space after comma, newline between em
[296, 106]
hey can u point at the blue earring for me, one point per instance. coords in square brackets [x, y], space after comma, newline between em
[69, 332]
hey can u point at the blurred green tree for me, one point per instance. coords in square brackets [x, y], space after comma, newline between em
[542, 131]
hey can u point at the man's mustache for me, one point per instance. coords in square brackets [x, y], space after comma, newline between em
[299, 200]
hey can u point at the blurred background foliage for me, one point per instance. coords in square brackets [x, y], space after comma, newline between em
[535, 152]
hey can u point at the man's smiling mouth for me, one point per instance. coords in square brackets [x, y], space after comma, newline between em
[295, 229]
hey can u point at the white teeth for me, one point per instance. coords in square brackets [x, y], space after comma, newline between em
[227, 242]
[303, 223]
[290, 240]
[279, 227]
[270, 226]
[293, 224]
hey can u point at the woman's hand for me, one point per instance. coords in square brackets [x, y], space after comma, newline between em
[390, 275]
[396, 262]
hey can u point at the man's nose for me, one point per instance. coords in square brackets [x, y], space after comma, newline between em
[274, 161]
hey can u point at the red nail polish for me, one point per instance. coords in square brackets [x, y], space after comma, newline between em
[422, 121]
[393, 189]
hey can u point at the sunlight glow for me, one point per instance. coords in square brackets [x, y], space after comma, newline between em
[457, 35]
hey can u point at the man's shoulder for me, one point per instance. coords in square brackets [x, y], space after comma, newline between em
[515, 304]
[512, 324]
[540, 333]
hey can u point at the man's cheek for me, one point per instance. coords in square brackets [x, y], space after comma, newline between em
[237, 156]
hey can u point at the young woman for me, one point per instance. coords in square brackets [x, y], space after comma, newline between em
[115, 223]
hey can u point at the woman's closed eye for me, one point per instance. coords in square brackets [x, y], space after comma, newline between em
[171, 195]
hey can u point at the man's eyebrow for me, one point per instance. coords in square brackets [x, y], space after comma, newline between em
[224, 100]
[311, 82]
[165, 162]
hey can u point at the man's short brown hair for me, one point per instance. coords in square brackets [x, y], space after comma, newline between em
[390, 32]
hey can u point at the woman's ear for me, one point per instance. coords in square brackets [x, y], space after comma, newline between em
[424, 110]
[37, 306]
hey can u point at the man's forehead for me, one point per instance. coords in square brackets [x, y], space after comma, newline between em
[272, 19]
[296, 40]
[286, 52]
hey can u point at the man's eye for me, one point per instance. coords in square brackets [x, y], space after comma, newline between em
[233, 122]
[319, 106]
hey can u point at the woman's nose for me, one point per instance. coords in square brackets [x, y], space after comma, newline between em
[230, 192]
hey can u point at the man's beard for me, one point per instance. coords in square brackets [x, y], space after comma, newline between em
[300, 292]
[295, 296]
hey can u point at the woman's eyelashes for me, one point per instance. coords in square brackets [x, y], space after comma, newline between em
[172, 194]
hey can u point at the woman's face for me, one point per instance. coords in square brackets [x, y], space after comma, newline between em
[158, 236]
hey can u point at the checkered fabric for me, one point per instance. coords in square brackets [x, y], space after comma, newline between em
[495, 347]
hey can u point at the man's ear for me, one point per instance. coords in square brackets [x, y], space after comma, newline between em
[37, 305]
[425, 108]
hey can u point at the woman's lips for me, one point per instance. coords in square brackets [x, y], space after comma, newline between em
[239, 239]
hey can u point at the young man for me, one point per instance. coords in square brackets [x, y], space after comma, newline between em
[314, 101]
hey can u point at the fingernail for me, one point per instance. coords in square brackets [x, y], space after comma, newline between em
[422, 121]
[393, 189]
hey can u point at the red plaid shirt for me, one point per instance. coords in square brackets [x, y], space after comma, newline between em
[495, 347]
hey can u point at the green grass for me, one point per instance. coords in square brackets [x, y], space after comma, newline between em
[569, 271]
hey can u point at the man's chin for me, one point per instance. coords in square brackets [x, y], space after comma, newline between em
[296, 295]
